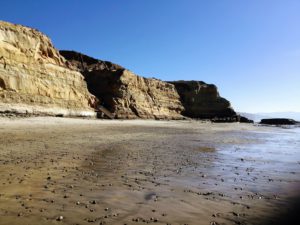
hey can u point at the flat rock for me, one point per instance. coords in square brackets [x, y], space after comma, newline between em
[279, 121]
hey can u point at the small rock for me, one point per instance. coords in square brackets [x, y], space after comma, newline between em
[235, 214]
[213, 223]
[60, 218]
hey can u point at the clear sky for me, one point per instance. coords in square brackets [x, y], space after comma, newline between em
[249, 49]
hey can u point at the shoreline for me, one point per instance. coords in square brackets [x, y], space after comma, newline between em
[90, 171]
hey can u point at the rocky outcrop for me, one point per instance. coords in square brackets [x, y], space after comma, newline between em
[244, 119]
[201, 100]
[279, 121]
[34, 77]
[124, 94]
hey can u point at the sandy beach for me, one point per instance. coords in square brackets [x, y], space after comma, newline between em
[80, 171]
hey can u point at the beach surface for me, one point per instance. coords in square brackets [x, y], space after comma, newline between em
[81, 171]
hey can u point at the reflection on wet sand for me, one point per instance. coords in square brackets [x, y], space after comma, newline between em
[71, 171]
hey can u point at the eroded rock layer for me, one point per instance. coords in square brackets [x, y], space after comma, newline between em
[203, 101]
[34, 77]
[125, 94]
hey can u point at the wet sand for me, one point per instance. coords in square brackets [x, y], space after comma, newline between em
[76, 171]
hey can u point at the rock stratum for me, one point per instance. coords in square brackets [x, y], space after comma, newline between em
[36, 79]
[124, 94]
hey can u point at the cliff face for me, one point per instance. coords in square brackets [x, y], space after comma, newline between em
[34, 77]
[125, 94]
[202, 100]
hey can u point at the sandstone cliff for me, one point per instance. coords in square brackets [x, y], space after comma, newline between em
[125, 94]
[34, 77]
[203, 101]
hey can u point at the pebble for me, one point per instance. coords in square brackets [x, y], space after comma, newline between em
[235, 214]
[60, 218]
[213, 223]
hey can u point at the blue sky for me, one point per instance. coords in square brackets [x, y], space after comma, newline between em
[249, 49]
